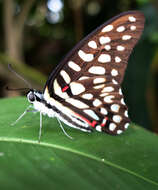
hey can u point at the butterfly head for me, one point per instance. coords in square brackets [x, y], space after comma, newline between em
[34, 96]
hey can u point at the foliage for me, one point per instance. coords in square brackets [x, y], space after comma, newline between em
[89, 161]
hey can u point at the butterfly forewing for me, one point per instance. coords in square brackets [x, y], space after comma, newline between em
[88, 80]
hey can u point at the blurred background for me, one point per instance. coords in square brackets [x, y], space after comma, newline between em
[36, 34]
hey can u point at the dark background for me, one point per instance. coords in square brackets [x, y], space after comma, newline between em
[37, 34]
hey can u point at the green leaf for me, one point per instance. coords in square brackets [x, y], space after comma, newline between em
[89, 161]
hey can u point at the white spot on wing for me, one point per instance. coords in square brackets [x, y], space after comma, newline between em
[65, 76]
[107, 28]
[97, 102]
[115, 107]
[87, 96]
[131, 18]
[126, 125]
[117, 118]
[120, 48]
[122, 101]
[120, 29]
[99, 86]
[104, 94]
[107, 47]
[91, 113]
[133, 27]
[74, 66]
[114, 81]
[97, 70]
[77, 103]
[108, 99]
[104, 40]
[92, 44]
[126, 37]
[126, 113]
[103, 111]
[83, 78]
[120, 91]
[119, 132]
[99, 80]
[117, 59]
[98, 128]
[114, 72]
[104, 58]
[112, 126]
[87, 57]
[108, 89]
[76, 88]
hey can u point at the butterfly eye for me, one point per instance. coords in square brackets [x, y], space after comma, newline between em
[31, 97]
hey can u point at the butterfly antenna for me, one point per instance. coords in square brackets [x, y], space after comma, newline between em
[63, 128]
[16, 89]
[19, 76]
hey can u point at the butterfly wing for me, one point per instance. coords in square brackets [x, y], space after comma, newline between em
[88, 80]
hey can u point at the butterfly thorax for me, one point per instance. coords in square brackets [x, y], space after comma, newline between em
[36, 98]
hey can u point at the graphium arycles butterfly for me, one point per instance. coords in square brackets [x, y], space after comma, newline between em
[84, 91]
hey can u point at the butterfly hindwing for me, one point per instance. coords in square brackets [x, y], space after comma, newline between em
[100, 103]
[88, 80]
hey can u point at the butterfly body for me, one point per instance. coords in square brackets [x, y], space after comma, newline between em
[84, 91]
[51, 109]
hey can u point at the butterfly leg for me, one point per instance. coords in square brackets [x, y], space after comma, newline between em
[22, 115]
[63, 128]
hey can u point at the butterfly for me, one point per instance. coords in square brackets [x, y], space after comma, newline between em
[84, 90]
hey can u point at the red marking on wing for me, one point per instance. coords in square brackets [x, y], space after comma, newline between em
[104, 121]
[65, 88]
[93, 123]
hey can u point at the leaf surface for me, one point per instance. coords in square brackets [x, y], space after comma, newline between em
[89, 161]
